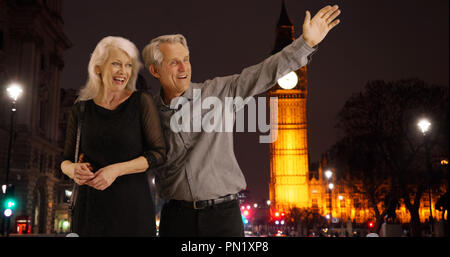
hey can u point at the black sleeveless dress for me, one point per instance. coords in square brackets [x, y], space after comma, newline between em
[133, 129]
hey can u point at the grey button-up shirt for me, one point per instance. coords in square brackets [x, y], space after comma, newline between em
[202, 165]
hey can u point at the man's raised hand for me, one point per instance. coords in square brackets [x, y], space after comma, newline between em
[315, 29]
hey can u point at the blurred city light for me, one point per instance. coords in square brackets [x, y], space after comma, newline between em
[68, 193]
[328, 174]
[7, 213]
[331, 186]
[14, 91]
[424, 125]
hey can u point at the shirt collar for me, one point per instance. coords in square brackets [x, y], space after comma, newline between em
[188, 94]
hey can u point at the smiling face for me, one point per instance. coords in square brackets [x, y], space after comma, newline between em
[175, 71]
[116, 70]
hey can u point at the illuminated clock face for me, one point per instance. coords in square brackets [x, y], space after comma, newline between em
[288, 81]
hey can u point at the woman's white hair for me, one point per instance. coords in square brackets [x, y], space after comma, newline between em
[99, 57]
[152, 53]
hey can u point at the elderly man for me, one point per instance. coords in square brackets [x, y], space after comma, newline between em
[201, 177]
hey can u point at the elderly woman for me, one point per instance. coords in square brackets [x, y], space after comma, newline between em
[121, 139]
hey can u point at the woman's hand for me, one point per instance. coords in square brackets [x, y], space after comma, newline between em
[82, 173]
[104, 177]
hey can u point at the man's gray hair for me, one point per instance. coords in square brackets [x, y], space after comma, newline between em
[99, 57]
[152, 53]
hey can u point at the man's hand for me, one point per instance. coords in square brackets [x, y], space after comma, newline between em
[104, 177]
[315, 29]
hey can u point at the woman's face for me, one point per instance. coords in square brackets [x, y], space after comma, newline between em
[116, 70]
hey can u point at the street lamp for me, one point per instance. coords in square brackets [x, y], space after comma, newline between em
[328, 175]
[424, 126]
[340, 197]
[14, 91]
[68, 193]
[331, 186]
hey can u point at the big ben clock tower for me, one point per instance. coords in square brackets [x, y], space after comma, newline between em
[289, 153]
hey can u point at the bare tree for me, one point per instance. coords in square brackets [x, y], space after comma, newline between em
[381, 147]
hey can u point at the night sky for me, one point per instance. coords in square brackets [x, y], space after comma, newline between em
[382, 39]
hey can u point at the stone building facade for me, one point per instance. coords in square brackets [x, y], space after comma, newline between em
[32, 42]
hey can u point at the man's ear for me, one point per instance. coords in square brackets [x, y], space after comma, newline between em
[154, 71]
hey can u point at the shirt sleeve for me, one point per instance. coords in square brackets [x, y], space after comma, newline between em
[155, 146]
[261, 77]
[71, 135]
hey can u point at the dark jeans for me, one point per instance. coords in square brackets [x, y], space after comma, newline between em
[221, 220]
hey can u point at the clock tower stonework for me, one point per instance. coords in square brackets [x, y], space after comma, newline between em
[289, 153]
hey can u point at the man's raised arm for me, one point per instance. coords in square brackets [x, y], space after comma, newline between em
[315, 29]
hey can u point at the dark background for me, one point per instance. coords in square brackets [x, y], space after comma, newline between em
[383, 39]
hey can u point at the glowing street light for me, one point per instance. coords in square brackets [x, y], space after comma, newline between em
[14, 91]
[328, 174]
[424, 125]
[68, 193]
[331, 186]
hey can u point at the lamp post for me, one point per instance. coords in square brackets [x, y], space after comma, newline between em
[341, 198]
[424, 126]
[328, 175]
[14, 91]
[330, 188]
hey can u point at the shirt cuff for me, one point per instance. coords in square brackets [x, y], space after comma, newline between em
[303, 49]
